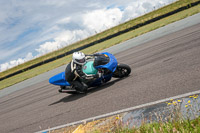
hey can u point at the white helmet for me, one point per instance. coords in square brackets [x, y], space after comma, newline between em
[79, 58]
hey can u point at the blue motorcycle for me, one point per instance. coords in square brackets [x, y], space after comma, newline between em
[105, 65]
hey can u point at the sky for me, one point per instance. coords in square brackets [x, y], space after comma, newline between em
[31, 28]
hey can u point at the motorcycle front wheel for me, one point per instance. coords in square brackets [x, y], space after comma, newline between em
[121, 71]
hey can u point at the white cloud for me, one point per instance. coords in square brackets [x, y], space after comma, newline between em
[44, 26]
[29, 56]
[5, 66]
[141, 7]
[65, 38]
[13, 63]
[102, 19]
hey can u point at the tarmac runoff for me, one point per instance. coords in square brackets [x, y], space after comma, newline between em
[135, 115]
[171, 28]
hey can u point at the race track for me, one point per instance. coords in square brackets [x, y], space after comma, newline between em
[161, 68]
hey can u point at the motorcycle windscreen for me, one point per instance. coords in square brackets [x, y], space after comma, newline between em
[89, 69]
[59, 79]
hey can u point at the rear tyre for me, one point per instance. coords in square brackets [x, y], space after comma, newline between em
[121, 71]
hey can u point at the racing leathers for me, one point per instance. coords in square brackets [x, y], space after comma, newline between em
[76, 77]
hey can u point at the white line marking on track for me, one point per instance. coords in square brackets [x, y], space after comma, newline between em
[120, 111]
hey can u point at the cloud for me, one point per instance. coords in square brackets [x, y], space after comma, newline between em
[95, 21]
[102, 19]
[40, 27]
[65, 38]
[138, 8]
[13, 63]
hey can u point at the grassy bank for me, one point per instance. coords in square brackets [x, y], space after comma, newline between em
[174, 122]
[175, 116]
[181, 126]
[100, 46]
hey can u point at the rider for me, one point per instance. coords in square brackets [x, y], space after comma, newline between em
[74, 73]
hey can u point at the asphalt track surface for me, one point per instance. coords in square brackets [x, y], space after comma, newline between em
[161, 68]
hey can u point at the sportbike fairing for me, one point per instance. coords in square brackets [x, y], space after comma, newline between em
[89, 69]
[59, 79]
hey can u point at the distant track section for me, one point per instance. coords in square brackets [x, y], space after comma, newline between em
[103, 39]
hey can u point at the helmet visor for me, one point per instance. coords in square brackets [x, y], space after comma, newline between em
[80, 60]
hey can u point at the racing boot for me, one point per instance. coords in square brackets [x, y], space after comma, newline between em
[80, 87]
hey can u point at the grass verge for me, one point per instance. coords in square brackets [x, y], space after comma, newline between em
[175, 116]
[100, 46]
[174, 122]
[181, 126]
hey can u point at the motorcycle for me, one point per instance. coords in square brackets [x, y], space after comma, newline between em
[105, 65]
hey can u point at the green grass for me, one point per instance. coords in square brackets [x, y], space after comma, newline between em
[174, 122]
[182, 126]
[100, 46]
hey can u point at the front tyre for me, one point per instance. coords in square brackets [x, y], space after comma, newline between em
[121, 71]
